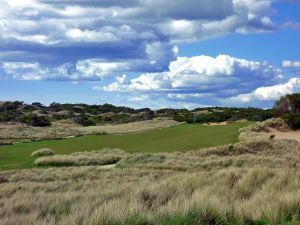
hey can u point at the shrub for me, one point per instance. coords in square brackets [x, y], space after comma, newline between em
[272, 136]
[35, 121]
[42, 152]
[84, 120]
[293, 120]
[185, 116]
[287, 104]
[230, 147]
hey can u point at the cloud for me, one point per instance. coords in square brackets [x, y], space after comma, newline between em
[141, 34]
[141, 98]
[113, 86]
[203, 74]
[83, 70]
[271, 92]
[207, 81]
[248, 16]
[293, 25]
[290, 64]
[24, 71]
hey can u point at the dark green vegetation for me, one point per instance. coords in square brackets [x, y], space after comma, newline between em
[288, 107]
[221, 114]
[37, 114]
[179, 138]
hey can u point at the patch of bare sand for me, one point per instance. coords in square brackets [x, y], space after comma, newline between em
[215, 124]
[106, 167]
[294, 135]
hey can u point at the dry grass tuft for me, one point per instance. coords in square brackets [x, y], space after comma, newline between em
[103, 157]
[43, 152]
[268, 153]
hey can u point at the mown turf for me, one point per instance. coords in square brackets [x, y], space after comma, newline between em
[178, 138]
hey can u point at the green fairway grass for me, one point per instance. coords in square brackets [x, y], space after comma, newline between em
[178, 138]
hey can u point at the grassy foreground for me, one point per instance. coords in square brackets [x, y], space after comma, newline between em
[249, 183]
[178, 138]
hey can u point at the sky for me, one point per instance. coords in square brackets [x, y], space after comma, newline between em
[150, 53]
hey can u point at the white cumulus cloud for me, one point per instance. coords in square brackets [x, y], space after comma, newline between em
[290, 64]
[270, 92]
[204, 74]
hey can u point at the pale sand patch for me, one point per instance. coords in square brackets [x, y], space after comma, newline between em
[216, 124]
[111, 166]
[294, 135]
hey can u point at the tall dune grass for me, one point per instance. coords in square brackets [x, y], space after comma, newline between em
[42, 152]
[254, 182]
[103, 157]
[89, 195]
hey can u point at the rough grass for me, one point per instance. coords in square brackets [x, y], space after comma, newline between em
[261, 130]
[183, 138]
[11, 133]
[103, 157]
[42, 152]
[249, 154]
[254, 182]
[256, 193]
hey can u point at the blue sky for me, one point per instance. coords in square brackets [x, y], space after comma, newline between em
[150, 53]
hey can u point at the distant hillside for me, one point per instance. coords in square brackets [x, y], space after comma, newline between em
[37, 114]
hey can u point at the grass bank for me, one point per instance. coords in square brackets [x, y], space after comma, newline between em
[183, 138]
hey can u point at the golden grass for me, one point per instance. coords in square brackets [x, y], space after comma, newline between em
[248, 154]
[261, 130]
[133, 127]
[252, 181]
[103, 157]
[42, 152]
[89, 195]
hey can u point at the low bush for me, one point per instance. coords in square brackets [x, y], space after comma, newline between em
[42, 152]
[293, 120]
[35, 121]
[84, 120]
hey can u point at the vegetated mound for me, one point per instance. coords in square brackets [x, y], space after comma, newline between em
[43, 152]
[267, 153]
[103, 157]
[262, 129]
[39, 115]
